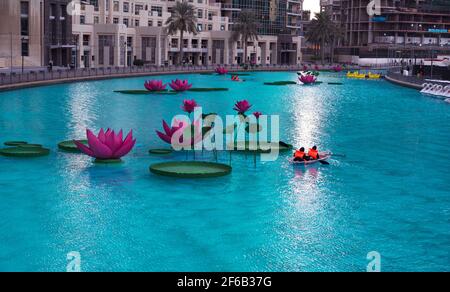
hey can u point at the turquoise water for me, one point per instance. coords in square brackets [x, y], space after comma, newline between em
[390, 194]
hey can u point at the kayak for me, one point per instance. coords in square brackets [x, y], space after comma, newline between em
[323, 157]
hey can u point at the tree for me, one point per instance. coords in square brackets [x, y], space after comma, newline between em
[245, 29]
[182, 20]
[322, 32]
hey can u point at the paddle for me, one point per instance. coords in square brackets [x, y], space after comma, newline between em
[324, 162]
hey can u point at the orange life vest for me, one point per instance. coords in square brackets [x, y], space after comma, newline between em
[299, 154]
[314, 154]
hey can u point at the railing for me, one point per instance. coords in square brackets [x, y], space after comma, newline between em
[395, 73]
[45, 76]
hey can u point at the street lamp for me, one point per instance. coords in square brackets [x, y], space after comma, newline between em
[23, 57]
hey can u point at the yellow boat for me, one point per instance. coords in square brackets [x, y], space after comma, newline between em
[358, 75]
[374, 76]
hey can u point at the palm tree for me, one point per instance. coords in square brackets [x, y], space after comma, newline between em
[245, 29]
[183, 19]
[322, 31]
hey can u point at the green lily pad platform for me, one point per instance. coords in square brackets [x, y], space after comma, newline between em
[24, 152]
[245, 147]
[145, 92]
[280, 83]
[15, 143]
[191, 169]
[239, 74]
[30, 146]
[207, 89]
[335, 83]
[69, 146]
[160, 151]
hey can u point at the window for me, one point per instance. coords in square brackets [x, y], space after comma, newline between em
[96, 20]
[82, 19]
[159, 23]
[86, 40]
[138, 8]
[126, 7]
[125, 21]
[200, 13]
[157, 11]
[24, 18]
[136, 22]
[115, 6]
[116, 20]
[150, 23]
[25, 47]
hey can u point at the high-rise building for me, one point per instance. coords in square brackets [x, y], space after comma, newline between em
[394, 29]
[58, 40]
[117, 32]
[281, 18]
[21, 31]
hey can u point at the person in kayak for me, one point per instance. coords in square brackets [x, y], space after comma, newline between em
[313, 154]
[300, 155]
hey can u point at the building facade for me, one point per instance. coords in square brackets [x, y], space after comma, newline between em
[118, 32]
[58, 39]
[399, 29]
[21, 33]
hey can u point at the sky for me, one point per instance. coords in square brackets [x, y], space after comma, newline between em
[313, 5]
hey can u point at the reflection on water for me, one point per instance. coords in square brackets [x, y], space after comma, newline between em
[82, 112]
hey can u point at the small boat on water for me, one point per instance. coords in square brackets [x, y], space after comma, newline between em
[324, 156]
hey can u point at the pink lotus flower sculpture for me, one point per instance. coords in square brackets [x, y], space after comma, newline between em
[107, 145]
[305, 68]
[221, 70]
[257, 115]
[180, 85]
[155, 85]
[189, 105]
[337, 68]
[179, 128]
[242, 107]
[308, 79]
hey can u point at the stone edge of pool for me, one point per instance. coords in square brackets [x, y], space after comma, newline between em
[402, 83]
[23, 85]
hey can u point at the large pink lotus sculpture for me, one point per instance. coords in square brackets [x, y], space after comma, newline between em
[155, 85]
[308, 79]
[221, 70]
[337, 68]
[179, 128]
[107, 146]
[189, 105]
[242, 107]
[180, 85]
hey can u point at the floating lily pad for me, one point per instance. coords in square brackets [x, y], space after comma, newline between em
[239, 74]
[108, 161]
[191, 169]
[207, 89]
[30, 146]
[145, 92]
[24, 152]
[280, 83]
[261, 147]
[70, 146]
[160, 151]
[15, 143]
[335, 83]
